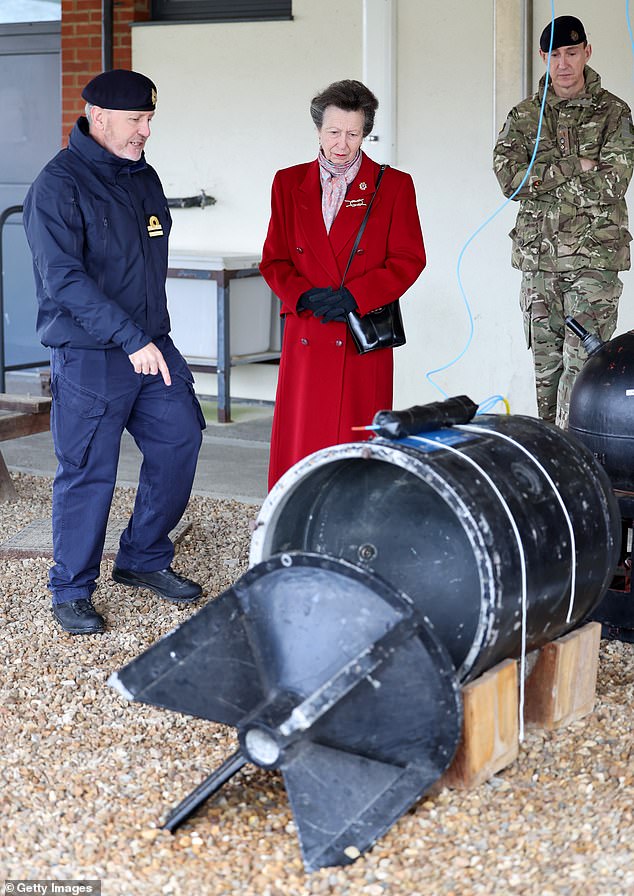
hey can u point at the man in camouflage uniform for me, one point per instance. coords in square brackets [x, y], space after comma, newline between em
[570, 239]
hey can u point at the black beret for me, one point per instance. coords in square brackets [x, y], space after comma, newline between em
[568, 32]
[121, 89]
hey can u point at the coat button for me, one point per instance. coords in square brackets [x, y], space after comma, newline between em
[338, 342]
[360, 251]
[304, 341]
[300, 250]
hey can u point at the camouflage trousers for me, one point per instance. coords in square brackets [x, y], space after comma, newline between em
[546, 299]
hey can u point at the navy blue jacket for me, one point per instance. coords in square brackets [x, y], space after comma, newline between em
[98, 228]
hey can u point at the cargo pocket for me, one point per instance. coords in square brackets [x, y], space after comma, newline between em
[75, 416]
[183, 372]
[527, 240]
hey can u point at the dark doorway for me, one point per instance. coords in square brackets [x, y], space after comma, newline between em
[30, 134]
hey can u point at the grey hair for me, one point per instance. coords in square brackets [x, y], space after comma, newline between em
[351, 96]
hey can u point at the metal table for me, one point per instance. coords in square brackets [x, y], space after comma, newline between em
[222, 269]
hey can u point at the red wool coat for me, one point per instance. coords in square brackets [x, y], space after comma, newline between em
[325, 387]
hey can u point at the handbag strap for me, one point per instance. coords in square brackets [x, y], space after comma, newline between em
[363, 223]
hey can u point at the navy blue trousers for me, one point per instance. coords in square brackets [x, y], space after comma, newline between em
[96, 395]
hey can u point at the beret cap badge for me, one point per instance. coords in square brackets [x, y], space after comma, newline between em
[567, 31]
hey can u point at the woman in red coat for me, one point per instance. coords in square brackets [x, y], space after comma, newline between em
[325, 387]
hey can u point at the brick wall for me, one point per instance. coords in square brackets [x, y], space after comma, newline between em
[82, 50]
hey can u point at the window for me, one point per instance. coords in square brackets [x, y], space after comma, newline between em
[18, 11]
[220, 10]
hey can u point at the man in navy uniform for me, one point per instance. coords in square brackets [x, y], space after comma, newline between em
[98, 224]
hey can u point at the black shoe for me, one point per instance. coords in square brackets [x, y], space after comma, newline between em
[78, 617]
[164, 582]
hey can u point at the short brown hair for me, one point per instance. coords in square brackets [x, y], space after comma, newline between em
[351, 96]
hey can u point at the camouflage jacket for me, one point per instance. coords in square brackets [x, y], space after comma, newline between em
[569, 219]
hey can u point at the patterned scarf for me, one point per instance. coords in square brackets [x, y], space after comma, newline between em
[334, 183]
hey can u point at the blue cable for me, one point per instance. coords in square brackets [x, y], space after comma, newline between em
[428, 375]
[488, 404]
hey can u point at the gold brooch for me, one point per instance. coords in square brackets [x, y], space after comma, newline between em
[363, 185]
[353, 203]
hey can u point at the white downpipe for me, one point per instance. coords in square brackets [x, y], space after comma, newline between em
[512, 56]
[379, 74]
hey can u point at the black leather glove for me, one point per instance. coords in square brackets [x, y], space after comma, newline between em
[340, 303]
[317, 300]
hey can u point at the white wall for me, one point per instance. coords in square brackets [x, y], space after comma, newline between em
[445, 107]
[233, 108]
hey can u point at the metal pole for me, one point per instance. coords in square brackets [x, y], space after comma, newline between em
[223, 366]
[107, 28]
[527, 41]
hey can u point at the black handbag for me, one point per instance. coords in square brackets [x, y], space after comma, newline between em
[383, 327]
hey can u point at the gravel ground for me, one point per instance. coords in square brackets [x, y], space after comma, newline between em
[87, 777]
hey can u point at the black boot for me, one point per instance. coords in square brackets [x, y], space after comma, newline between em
[78, 617]
[164, 582]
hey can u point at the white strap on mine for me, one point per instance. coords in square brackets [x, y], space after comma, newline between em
[520, 546]
[547, 477]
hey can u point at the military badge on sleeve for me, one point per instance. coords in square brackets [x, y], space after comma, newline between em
[154, 226]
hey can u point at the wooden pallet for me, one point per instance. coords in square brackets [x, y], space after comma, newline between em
[490, 727]
[19, 416]
[562, 685]
[560, 689]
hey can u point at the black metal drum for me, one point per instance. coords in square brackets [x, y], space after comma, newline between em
[602, 417]
[504, 532]
[602, 409]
